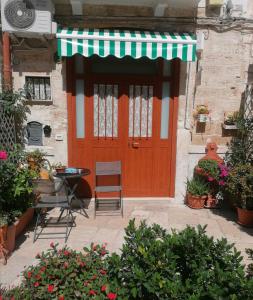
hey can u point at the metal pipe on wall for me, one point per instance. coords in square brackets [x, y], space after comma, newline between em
[7, 71]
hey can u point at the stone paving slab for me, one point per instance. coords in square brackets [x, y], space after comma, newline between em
[110, 229]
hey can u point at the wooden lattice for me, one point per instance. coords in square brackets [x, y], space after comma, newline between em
[7, 130]
[248, 115]
[248, 102]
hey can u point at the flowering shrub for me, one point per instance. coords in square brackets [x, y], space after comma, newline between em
[68, 274]
[214, 171]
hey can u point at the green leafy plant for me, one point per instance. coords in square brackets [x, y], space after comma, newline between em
[153, 264]
[210, 167]
[37, 159]
[240, 185]
[68, 274]
[231, 118]
[14, 103]
[240, 150]
[181, 266]
[15, 185]
[197, 187]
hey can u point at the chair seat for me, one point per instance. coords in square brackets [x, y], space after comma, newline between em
[107, 188]
[52, 201]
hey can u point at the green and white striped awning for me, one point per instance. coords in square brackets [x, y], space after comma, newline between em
[121, 43]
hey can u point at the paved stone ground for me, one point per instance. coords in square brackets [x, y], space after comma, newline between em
[110, 229]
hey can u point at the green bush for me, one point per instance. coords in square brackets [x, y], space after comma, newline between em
[153, 264]
[185, 265]
[240, 185]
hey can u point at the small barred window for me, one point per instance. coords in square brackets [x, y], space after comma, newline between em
[38, 88]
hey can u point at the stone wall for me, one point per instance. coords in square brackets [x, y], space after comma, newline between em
[41, 63]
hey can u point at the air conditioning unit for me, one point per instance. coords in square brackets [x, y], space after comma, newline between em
[27, 16]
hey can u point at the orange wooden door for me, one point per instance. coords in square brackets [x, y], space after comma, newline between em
[123, 121]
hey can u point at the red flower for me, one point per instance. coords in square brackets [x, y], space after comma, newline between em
[82, 264]
[1, 297]
[66, 253]
[52, 244]
[103, 288]
[103, 272]
[61, 297]
[111, 296]
[36, 284]
[92, 293]
[38, 277]
[103, 252]
[93, 277]
[50, 288]
[66, 264]
[42, 269]
[94, 247]
[29, 275]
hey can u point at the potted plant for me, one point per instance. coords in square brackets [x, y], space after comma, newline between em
[197, 191]
[230, 120]
[59, 167]
[16, 196]
[240, 189]
[202, 113]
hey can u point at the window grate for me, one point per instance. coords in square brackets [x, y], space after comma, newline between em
[38, 88]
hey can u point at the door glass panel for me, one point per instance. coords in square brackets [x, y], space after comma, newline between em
[165, 111]
[125, 65]
[105, 110]
[140, 111]
[80, 121]
[166, 68]
[79, 64]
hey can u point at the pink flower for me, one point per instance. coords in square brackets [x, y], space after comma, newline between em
[210, 179]
[1, 297]
[222, 182]
[29, 275]
[36, 284]
[111, 296]
[3, 155]
[52, 244]
[50, 288]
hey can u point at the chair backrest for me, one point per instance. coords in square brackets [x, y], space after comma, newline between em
[112, 168]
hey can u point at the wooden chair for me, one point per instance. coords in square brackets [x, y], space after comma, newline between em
[103, 170]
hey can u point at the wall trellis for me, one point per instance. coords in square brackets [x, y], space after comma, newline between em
[7, 129]
[248, 116]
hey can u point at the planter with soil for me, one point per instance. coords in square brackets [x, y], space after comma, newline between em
[8, 234]
[195, 202]
[245, 217]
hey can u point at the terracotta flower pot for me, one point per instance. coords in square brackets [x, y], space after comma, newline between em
[245, 217]
[195, 202]
[7, 239]
[24, 220]
[211, 202]
[60, 170]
